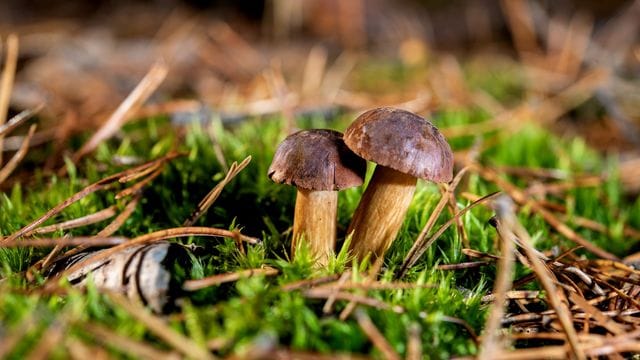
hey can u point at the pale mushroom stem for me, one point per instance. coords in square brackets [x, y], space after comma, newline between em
[381, 211]
[314, 220]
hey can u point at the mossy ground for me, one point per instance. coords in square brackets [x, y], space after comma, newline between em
[256, 309]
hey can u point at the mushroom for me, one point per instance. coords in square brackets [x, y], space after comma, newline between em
[405, 147]
[318, 164]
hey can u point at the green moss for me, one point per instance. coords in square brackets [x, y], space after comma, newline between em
[257, 309]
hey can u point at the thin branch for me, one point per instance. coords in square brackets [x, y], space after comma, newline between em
[328, 305]
[308, 283]
[371, 277]
[130, 105]
[347, 296]
[490, 342]
[17, 157]
[555, 296]
[193, 285]
[594, 312]
[464, 265]
[109, 229]
[51, 337]
[6, 82]
[126, 344]
[414, 342]
[211, 197]
[418, 243]
[102, 184]
[18, 120]
[77, 222]
[154, 237]
[520, 197]
[376, 337]
[121, 218]
[87, 241]
[409, 261]
[157, 326]
[137, 187]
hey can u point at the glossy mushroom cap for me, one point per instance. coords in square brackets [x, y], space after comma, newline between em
[403, 141]
[316, 160]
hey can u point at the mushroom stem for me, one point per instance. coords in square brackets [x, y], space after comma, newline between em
[314, 220]
[381, 211]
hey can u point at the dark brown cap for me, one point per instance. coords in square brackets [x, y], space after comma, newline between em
[403, 141]
[316, 160]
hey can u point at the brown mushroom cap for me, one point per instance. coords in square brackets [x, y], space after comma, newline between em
[316, 160]
[403, 141]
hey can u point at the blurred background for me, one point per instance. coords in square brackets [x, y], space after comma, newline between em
[572, 66]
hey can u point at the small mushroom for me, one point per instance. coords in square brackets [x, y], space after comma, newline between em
[318, 164]
[405, 147]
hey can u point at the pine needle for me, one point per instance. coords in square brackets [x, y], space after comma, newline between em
[376, 337]
[491, 340]
[18, 120]
[77, 222]
[193, 285]
[130, 105]
[158, 327]
[211, 197]
[412, 258]
[512, 228]
[18, 156]
[6, 82]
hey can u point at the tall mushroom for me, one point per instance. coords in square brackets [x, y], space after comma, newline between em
[405, 147]
[318, 164]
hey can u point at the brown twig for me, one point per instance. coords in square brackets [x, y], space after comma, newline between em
[87, 241]
[375, 336]
[490, 342]
[193, 285]
[593, 225]
[522, 26]
[114, 225]
[555, 296]
[444, 199]
[51, 337]
[154, 237]
[138, 349]
[18, 120]
[77, 349]
[17, 157]
[137, 187]
[458, 321]
[414, 343]
[347, 296]
[157, 326]
[371, 276]
[48, 260]
[130, 105]
[307, 283]
[110, 229]
[513, 295]
[77, 222]
[211, 197]
[328, 305]
[102, 184]
[460, 266]
[10, 340]
[374, 285]
[453, 206]
[6, 81]
[594, 312]
[150, 168]
[409, 260]
[520, 197]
